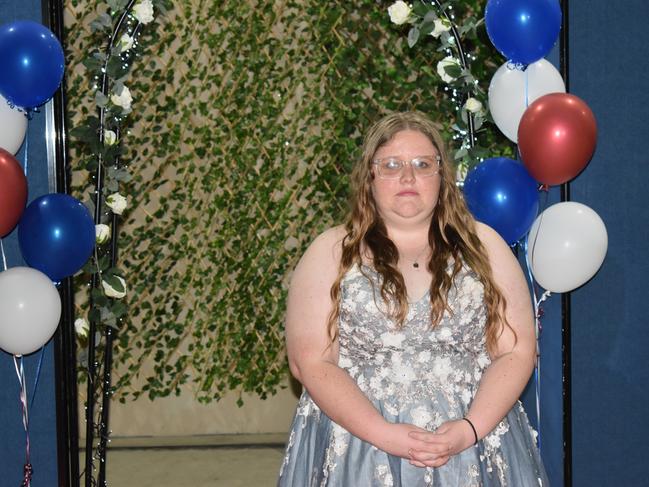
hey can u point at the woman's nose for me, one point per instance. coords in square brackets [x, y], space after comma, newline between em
[407, 173]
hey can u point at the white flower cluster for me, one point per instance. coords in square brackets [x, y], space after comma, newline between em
[81, 327]
[143, 11]
[399, 12]
[125, 43]
[472, 105]
[441, 68]
[440, 26]
[102, 233]
[122, 99]
[110, 137]
[117, 203]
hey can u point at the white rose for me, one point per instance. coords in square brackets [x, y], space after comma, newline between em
[143, 11]
[110, 137]
[125, 42]
[81, 327]
[124, 99]
[472, 105]
[111, 292]
[116, 202]
[447, 61]
[102, 233]
[440, 26]
[399, 12]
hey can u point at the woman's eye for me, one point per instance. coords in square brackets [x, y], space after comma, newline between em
[392, 164]
[421, 164]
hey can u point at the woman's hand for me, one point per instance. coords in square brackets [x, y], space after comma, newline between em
[449, 439]
[399, 439]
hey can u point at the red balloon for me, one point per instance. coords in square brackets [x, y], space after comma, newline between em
[13, 192]
[556, 137]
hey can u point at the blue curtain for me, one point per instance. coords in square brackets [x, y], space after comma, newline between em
[43, 412]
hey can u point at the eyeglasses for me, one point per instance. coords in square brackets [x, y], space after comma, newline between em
[422, 166]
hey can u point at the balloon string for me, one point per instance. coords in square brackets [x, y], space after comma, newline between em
[527, 91]
[537, 331]
[20, 372]
[38, 375]
[26, 150]
[4, 257]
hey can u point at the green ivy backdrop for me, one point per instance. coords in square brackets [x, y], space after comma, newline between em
[247, 118]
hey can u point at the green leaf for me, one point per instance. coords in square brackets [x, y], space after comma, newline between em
[114, 282]
[119, 308]
[413, 36]
[100, 99]
[453, 70]
[115, 68]
[420, 9]
[92, 64]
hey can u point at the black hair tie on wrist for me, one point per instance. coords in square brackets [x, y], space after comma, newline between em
[475, 433]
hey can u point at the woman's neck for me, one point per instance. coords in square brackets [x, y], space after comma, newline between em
[410, 237]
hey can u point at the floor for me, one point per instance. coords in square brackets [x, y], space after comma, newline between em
[214, 461]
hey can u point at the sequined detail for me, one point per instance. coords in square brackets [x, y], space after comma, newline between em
[418, 375]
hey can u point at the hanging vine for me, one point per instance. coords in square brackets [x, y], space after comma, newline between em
[117, 30]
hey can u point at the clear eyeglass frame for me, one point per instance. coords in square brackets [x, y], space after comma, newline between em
[422, 166]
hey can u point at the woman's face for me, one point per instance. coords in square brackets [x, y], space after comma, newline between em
[410, 197]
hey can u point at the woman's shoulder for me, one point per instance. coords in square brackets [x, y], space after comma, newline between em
[501, 257]
[325, 250]
[490, 238]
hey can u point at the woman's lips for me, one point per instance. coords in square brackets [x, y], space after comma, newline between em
[407, 193]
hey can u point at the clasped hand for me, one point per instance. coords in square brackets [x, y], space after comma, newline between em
[430, 448]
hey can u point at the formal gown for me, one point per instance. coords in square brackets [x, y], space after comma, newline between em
[419, 375]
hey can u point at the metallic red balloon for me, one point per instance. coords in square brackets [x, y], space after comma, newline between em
[556, 137]
[13, 192]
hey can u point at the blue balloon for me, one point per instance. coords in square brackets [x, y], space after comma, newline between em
[31, 63]
[523, 31]
[56, 235]
[502, 194]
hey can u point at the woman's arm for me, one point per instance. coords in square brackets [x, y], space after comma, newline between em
[313, 360]
[512, 362]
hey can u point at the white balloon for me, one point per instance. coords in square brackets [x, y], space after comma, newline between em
[30, 310]
[507, 100]
[13, 126]
[566, 246]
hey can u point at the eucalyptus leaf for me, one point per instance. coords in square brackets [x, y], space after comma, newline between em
[419, 8]
[413, 36]
[101, 99]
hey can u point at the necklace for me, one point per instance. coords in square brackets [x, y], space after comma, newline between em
[415, 263]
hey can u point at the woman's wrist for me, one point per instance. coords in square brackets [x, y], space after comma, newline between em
[474, 432]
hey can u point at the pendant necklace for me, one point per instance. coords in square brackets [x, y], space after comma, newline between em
[415, 263]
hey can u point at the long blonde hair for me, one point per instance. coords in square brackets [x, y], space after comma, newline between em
[452, 233]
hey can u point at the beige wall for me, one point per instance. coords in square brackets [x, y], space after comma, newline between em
[184, 415]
